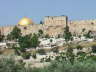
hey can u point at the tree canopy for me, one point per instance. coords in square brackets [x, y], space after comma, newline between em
[88, 35]
[40, 33]
[35, 41]
[67, 34]
[1, 37]
[29, 41]
[14, 34]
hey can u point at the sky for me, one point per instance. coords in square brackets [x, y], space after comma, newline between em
[11, 11]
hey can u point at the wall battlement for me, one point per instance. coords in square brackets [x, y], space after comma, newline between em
[55, 20]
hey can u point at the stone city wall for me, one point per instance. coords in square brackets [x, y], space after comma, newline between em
[54, 25]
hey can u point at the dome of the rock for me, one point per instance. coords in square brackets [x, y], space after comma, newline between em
[25, 21]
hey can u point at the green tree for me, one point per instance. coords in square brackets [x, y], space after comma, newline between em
[25, 42]
[14, 34]
[51, 40]
[70, 54]
[47, 36]
[67, 34]
[1, 37]
[88, 35]
[83, 30]
[35, 42]
[40, 33]
[79, 47]
[94, 48]
[28, 41]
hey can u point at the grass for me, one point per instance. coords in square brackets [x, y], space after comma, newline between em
[86, 66]
[89, 44]
[89, 65]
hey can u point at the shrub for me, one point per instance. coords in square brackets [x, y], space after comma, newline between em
[26, 55]
[34, 54]
[47, 36]
[9, 65]
[48, 60]
[94, 48]
[81, 56]
[86, 66]
[79, 47]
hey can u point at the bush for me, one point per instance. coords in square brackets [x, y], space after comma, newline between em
[86, 66]
[9, 65]
[47, 36]
[79, 47]
[94, 48]
[81, 56]
[26, 55]
[34, 54]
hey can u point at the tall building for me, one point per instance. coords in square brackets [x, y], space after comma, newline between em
[55, 20]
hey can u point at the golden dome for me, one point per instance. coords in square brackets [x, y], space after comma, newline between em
[25, 21]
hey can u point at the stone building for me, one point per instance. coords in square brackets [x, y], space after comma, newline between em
[52, 25]
[55, 20]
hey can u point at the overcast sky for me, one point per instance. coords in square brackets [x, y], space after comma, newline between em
[11, 11]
